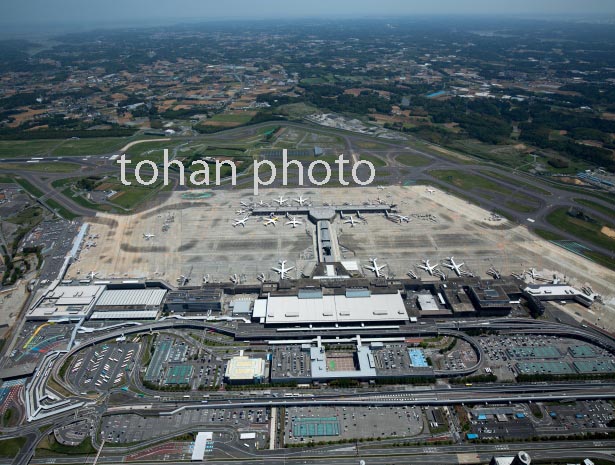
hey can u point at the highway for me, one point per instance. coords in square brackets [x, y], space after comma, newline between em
[437, 395]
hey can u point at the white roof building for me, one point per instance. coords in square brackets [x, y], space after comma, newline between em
[244, 369]
[200, 445]
[336, 309]
[66, 302]
[149, 298]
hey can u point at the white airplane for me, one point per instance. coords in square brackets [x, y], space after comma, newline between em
[240, 211]
[375, 268]
[456, 267]
[412, 275]
[261, 277]
[399, 218]
[92, 274]
[241, 222]
[350, 220]
[234, 279]
[293, 221]
[533, 273]
[381, 188]
[246, 204]
[205, 279]
[281, 201]
[262, 204]
[183, 280]
[301, 201]
[495, 274]
[282, 271]
[272, 220]
[147, 237]
[431, 191]
[427, 267]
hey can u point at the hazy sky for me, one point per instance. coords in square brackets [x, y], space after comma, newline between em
[28, 11]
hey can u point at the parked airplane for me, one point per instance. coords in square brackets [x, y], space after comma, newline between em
[431, 191]
[350, 220]
[148, 236]
[241, 222]
[412, 274]
[183, 280]
[381, 188]
[261, 277]
[375, 268]
[533, 273]
[293, 221]
[495, 274]
[246, 204]
[283, 271]
[92, 274]
[262, 204]
[205, 279]
[401, 218]
[281, 201]
[427, 267]
[240, 211]
[301, 201]
[396, 218]
[234, 279]
[456, 267]
[271, 220]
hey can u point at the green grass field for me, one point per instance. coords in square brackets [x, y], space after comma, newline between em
[517, 182]
[240, 118]
[596, 206]
[11, 447]
[467, 181]
[376, 161]
[130, 197]
[62, 211]
[26, 148]
[51, 167]
[94, 146]
[410, 159]
[580, 228]
[29, 187]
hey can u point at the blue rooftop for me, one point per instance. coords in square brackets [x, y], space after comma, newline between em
[417, 358]
[436, 94]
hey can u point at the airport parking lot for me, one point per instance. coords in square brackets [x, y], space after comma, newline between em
[103, 367]
[336, 423]
[132, 428]
[537, 354]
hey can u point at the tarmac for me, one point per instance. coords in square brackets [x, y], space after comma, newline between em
[195, 238]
